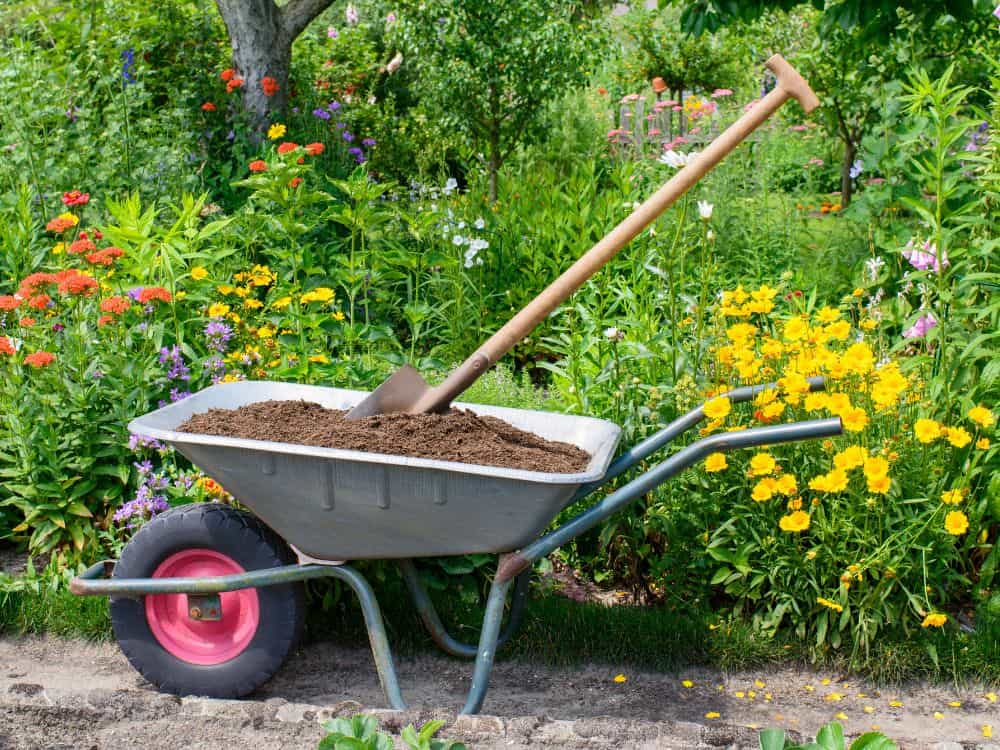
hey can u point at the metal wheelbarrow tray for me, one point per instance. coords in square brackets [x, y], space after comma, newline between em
[332, 505]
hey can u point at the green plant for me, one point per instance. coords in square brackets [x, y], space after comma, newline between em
[361, 733]
[423, 739]
[830, 737]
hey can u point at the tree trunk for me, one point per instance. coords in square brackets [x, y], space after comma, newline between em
[846, 182]
[261, 35]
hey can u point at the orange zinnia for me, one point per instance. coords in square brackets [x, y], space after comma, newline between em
[39, 359]
[258, 166]
[315, 149]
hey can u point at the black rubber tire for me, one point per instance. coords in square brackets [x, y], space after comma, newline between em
[253, 545]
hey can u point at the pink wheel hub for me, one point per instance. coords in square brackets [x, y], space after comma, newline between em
[202, 642]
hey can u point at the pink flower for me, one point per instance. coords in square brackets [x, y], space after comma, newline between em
[921, 327]
[719, 93]
[799, 128]
[925, 259]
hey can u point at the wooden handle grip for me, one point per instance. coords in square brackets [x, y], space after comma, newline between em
[790, 85]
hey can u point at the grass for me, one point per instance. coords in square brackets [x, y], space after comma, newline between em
[560, 632]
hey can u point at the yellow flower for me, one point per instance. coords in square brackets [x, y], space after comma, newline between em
[715, 462]
[983, 444]
[276, 131]
[319, 294]
[717, 408]
[319, 359]
[876, 466]
[716, 715]
[815, 401]
[620, 678]
[952, 497]
[772, 411]
[72, 218]
[879, 484]
[934, 620]
[59, 248]
[198, 273]
[787, 485]
[839, 330]
[958, 436]
[838, 403]
[854, 419]
[762, 464]
[851, 457]
[982, 416]
[859, 358]
[956, 523]
[827, 315]
[797, 521]
[252, 304]
[829, 604]
[763, 490]
[833, 481]
[687, 683]
[225, 289]
[339, 316]
[218, 310]
[281, 303]
[265, 332]
[795, 329]
[869, 324]
[927, 430]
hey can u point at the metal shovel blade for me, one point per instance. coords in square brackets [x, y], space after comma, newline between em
[400, 393]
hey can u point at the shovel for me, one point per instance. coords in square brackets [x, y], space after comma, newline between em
[406, 391]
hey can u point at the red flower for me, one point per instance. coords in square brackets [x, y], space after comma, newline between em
[269, 85]
[287, 147]
[258, 166]
[5, 346]
[72, 281]
[227, 74]
[31, 283]
[116, 305]
[83, 236]
[208, 107]
[153, 293]
[315, 149]
[233, 85]
[106, 256]
[295, 182]
[75, 198]
[98, 235]
[104, 320]
[27, 322]
[40, 359]
[39, 301]
[81, 246]
[60, 225]
[9, 302]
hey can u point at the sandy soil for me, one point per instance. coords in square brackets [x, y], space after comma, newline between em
[58, 693]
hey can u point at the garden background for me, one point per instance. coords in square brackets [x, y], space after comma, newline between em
[417, 173]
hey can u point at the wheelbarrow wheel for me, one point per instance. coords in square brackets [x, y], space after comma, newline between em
[170, 640]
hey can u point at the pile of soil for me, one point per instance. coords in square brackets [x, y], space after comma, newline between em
[458, 435]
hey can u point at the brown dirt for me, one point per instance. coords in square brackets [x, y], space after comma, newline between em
[456, 436]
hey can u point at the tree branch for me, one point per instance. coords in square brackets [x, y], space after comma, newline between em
[298, 14]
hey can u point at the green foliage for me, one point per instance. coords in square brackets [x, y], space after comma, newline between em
[829, 737]
[361, 733]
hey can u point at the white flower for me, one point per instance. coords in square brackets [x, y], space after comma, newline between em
[705, 210]
[709, 235]
[677, 159]
[613, 334]
[471, 257]
[480, 223]
[450, 186]
[394, 63]
[372, 99]
[458, 240]
[461, 225]
[874, 265]
[478, 244]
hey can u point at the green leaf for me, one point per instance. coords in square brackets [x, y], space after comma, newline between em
[873, 741]
[772, 739]
[831, 737]
[79, 509]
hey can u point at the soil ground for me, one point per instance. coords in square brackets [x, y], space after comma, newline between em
[63, 693]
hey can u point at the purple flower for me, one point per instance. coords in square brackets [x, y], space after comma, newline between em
[178, 369]
[347, 136]
[137, 442]
[134, 293]
[332, 32]
[333, 106]
[58, 327]
[925, 259]
[355, 151]
[360, 159]
[391, 18]
[368, 142]
[996, 11]
[351, 15]
[71, 113]
[97, 374]
[128, 66]
[144, 467]
[921, 327]
[217, 335]
[340, 125]
[321, 113]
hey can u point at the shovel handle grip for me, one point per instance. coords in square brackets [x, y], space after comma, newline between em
[790, 85]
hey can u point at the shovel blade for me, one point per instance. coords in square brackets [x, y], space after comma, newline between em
[399, 393]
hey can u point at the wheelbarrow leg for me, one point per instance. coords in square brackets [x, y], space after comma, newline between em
[436, 629]
[487, 646]
[376, 634]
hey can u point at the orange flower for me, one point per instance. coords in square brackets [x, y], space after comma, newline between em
[9, 302]
[73, 282]
[227, 74]
[287, 147]
[295, 182]
[106, 256]
[6, 347]
[116, 305]
[75, 198]
[269, 86]
[27, 322]
[39, 359]
[233, 84]
[315, 149]
[60, 224]
[258, 166]
[151, 293]
[208, 107]
[81, 246]
[39, 301]
[104, 320]
[31, 283]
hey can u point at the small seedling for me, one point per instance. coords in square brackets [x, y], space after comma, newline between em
[830, 737]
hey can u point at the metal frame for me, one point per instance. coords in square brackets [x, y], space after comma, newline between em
[514, 568]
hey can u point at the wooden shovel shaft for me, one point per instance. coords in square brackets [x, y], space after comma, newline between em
[789, 85]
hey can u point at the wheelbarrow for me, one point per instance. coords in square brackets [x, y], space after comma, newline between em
[207, 599]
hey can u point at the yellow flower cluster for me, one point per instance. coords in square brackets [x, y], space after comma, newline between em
[257, 276]
[319, 294]
[829, 604]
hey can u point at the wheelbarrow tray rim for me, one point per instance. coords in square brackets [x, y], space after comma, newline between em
[159, 424]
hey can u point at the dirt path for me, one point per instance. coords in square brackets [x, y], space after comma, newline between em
[58, 693]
